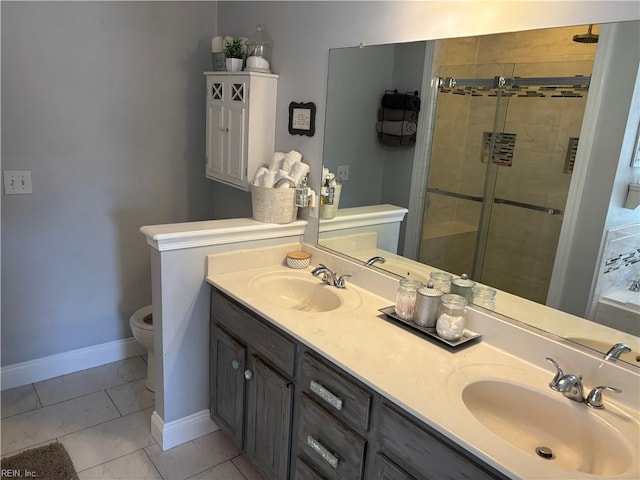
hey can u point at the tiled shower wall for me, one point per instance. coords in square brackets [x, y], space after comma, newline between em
[522, 243]
[620, 263]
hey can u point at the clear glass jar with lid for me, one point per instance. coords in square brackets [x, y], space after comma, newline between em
[484, 297]
[406, 298]
[259, 52]
[452, 317]
[441, 281]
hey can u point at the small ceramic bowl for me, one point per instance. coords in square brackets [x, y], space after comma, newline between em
[298, 259]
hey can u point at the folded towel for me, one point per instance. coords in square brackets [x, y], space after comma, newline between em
[290, 159]
[403, 101]
[396, 141]
[276, 161]
[259, 173]
[267, 179]
[397, 115]
[397, 128]
[298, 172]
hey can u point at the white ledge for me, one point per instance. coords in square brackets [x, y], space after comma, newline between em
[363, 217]
[176, 236]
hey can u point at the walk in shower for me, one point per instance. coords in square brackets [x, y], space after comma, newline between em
[503, 150]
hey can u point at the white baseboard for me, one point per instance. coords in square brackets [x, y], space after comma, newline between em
[68, 362]
[170, 434]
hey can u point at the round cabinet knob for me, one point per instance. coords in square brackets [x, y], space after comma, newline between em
[235, 364]
[248, 374]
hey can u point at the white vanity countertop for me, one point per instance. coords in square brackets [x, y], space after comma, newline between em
[420, 376]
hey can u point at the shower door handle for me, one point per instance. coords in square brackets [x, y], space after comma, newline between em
[539, 208]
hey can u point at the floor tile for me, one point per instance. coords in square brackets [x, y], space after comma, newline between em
[132, 397]
[193, 457]
[91, 380]
[109, 440]
[134, 466]
[224, 471]
[21, 431]
[243, 464]
[19, 400]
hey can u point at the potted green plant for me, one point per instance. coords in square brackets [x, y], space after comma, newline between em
[234, 53]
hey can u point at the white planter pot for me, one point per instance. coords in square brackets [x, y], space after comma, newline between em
[234, 64]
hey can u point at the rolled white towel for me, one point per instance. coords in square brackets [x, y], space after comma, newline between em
[397, 128]
[290, 160]
[281, 174]
[276, 161]
[259, 173]
[298, 172]
[268, 179]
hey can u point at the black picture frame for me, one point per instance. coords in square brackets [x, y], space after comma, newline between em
[302, 119]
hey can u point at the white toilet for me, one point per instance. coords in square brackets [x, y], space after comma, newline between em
[142, 327]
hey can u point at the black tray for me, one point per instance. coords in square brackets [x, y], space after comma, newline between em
[430, 333]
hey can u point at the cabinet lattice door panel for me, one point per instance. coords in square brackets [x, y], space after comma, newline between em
[228, 384]
[240, 125]
[269, 411]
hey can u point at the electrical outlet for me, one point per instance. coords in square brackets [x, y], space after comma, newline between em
[17, 182]
[343, 172]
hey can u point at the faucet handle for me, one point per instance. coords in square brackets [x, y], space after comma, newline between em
[340, 282]
[559, 374]
[594, 399]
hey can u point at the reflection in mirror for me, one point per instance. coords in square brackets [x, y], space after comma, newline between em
[503, 131]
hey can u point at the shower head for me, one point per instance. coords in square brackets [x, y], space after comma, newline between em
[586, 37]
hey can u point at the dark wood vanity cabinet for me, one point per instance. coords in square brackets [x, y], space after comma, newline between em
[251, 387]
[331, 427]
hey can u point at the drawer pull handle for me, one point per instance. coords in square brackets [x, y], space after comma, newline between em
[321, 450]
[326, 395]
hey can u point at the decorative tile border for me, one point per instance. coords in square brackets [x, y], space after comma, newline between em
[621, 260]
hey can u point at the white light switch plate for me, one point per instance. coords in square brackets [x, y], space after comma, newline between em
[17, 182]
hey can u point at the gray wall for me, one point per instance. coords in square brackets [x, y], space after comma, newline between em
[103, 103]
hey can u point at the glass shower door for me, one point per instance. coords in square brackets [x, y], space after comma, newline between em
[466, 116]
[542, 120]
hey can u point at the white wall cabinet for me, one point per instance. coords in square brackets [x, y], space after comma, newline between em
[241, 118]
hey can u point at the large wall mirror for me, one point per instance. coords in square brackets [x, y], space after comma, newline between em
[497, 136]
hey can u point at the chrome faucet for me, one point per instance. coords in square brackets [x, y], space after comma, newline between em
[571, 387]
[635, 286]
[614, 352]
[374, 260]
[568, 384]
[329, 277]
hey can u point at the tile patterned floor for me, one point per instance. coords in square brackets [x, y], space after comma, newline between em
[103, 418]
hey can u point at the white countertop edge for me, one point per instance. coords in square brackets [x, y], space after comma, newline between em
[363, 216]
[176, 236]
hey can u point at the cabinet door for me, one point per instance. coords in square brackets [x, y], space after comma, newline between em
[269, 409]
[236, 154]
[217, 144]
[227, 383]
[385, 469]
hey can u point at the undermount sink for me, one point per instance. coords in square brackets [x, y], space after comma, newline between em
[299, 290]
[552, 429]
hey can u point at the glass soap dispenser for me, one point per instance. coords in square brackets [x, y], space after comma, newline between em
[259, 52]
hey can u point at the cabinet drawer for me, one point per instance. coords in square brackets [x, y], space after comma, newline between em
[339, 395]
[333, 450]
[304, 472]
[270, 344]
[424, 454]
